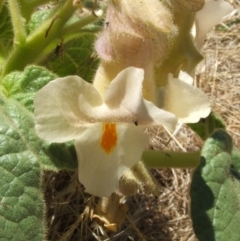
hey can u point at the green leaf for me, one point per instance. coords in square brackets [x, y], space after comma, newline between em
[206, 126]
[51, 156]
[215, 191]
[22, 157]
[5, 24]
[6, 33]
[55, 156]
[22, 86]
[235, 162]
[37, 18]
[22, 205]
[74, 58]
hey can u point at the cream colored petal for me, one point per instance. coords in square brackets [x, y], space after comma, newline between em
[184, 76]
[125, 89]
[125, 96]
[122, 98]
[57, 114]
[100, 169]
[210, 15]
[187, 102]
[152, 115]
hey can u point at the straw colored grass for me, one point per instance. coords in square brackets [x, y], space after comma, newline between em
[166, 216]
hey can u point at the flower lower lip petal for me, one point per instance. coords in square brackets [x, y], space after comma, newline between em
[109, 137]
[99, 170]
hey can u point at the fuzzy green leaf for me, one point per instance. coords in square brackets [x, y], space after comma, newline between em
[22, 86]
[22, 205]
[215, 191]
[74, 58]
[6, 33]
[37, 18]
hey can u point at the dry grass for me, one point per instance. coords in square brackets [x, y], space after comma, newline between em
[220, 76]
[164, 217]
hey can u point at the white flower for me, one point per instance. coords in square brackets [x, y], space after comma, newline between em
[185, 101]
[210, 15]
[106, 133]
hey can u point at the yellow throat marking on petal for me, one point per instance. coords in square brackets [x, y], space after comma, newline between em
[109, 137]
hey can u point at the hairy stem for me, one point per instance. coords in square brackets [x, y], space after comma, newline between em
[19, 30]
[157, 159]
[76, 27]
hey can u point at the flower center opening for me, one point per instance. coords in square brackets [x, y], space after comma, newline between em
[109, 137]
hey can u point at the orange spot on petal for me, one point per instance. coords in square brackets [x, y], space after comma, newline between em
[109, 137]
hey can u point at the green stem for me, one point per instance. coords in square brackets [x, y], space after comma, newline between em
[29, 52]
[66, 38]
[77, 26]
[73, 31]
[17, 22]
[157, 159]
